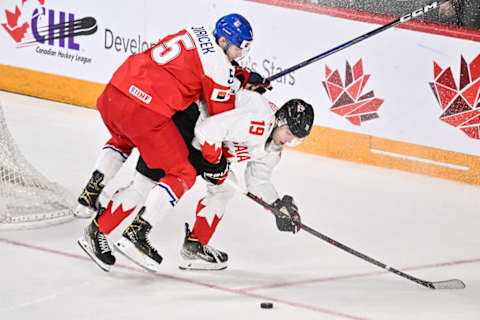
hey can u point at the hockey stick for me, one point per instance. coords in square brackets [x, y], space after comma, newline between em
[367, 35]
[445, 284]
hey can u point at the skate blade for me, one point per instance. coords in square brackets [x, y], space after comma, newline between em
[83, 212]
[128, 249]
[84, 245]
[197, 264]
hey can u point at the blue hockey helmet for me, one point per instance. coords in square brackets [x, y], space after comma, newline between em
[236, 29]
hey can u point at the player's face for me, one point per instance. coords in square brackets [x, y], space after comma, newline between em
[282, 135]
[234, 52]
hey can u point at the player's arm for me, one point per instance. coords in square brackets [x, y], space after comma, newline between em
[209, 134]
[258, 173]
[219, 91]
[212, 131]
[258, 179]
[251, 80]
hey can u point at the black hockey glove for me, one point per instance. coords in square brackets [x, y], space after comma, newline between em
[290, 220]
[215, 173]
[252, 80]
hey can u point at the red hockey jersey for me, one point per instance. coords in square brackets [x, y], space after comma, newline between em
[178, 70]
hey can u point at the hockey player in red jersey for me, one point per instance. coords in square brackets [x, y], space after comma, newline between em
[137, 106]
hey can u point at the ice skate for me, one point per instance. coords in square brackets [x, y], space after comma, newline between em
[196, 256]
[136, 246]
[88, 200]
[95, 244]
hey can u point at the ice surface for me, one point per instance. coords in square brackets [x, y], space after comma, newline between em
[424, 226]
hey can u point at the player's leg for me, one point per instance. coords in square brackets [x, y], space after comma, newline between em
[161, 200]
[133, 196]
[196, 253]
[125, 201]
[115, 152]
[109, 162]
[163, 148]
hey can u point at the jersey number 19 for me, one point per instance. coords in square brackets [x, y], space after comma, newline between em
[257, 127]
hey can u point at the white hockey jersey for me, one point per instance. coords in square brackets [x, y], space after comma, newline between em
[243, 134]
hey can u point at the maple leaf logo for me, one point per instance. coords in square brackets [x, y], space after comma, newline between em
[211, 152]
[14, 27]
[460, 105]
[15, 31]
[347, 99]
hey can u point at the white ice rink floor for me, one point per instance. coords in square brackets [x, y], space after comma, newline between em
[427, 227]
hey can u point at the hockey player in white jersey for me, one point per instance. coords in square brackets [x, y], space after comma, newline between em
[255, 131]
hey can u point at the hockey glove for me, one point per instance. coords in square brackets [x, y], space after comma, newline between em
[290, 220]
[252, 80]
[215, 173]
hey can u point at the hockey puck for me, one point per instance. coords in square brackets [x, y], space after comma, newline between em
[266, 305]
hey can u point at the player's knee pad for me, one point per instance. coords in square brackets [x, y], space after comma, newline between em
[160, 201]
[180, 178]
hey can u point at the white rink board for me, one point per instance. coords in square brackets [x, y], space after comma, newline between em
[399, 61]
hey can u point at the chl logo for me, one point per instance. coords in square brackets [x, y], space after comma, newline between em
[33, 23]
[460, 105]
[348, 100]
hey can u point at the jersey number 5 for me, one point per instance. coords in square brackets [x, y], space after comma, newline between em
[171, 49]
[257, 127]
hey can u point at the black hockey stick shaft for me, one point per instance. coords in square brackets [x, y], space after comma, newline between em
[446, 284]
[317, 234]
[367, 35]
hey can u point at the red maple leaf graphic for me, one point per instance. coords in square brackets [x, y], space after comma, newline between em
[211, 152]
[16, 32]
[347, 98]
[460, 105]
[109, 219]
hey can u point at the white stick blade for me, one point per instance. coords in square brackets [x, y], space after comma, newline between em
[449, 284]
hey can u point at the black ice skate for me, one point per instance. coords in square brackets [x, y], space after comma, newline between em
[95, 244]
[136, 246]
[196, 256]
[88, 200]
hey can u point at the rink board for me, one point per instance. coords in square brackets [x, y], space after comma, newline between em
[403, 81]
